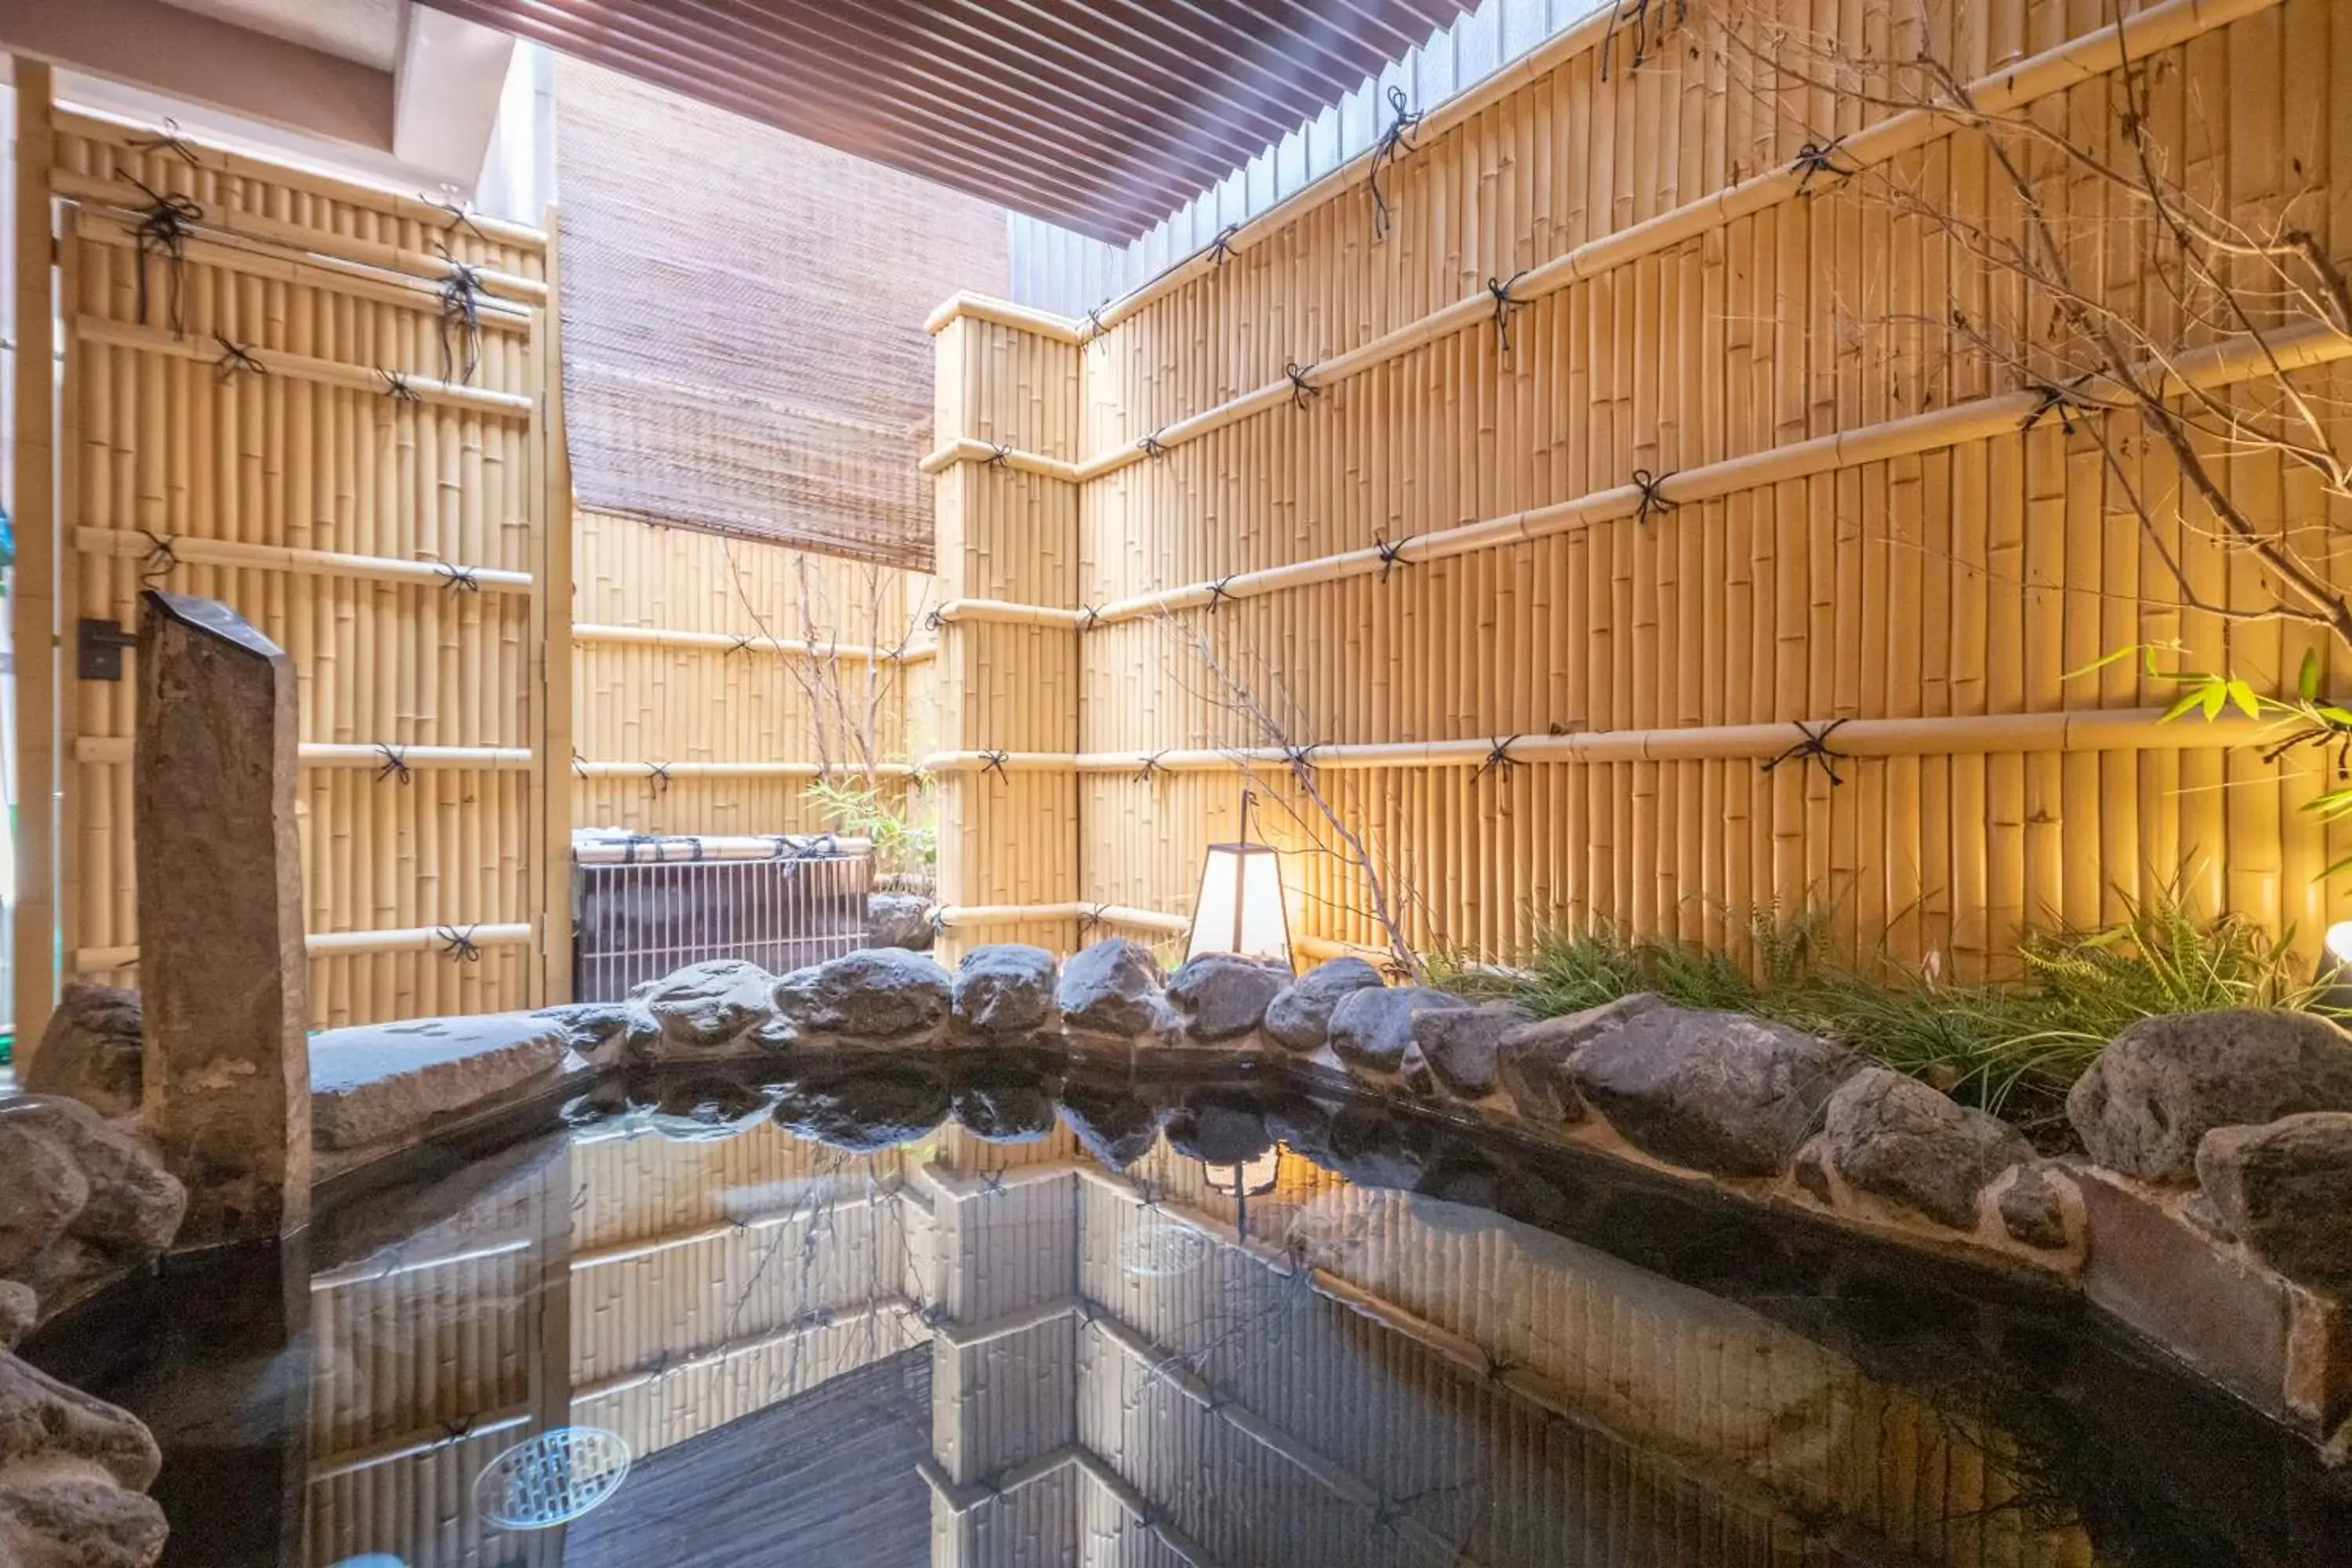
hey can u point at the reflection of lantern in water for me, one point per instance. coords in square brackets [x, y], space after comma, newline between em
[1252, 1178]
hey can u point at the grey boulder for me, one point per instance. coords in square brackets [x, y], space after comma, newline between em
[1220, 1127]
[864, 1112]
[1896, 1138]
[1371, 1030]
[2033, 1208]
[707, 1006]
[1112, 988]
[881, 995]
[1719, 1093]
[1464, 1047]
[1224, 995]
[134, 1204]
[1299, 1017]
[2165, 1082]
[1006, 988]
[2284, 1189]
[42, 1191]
[597, 1030]
[90, 1050]
[1116, 1126]
[72, 1469]
[1532, 1064]
[899, 919]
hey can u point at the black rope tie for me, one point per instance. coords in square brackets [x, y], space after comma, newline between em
[1819, 158]
[1221, 249]
[457, 579]
[461, 215]
[394, 765]
[460, 945]
[657, 776]
[2063, 401]
[1639, 14]
[1301, 760]
[159, 559]
[1501, 289]
[1654, 497]
[163, 231]
[1152, 766]
[168, 141]
[1397, 138]
[1391, 553]
[741, 645]
[1499, 759]
[461, 313]
[396, 387]
[999, 454]
[1096, 331]
[993, 762]
[234, 358]
[934, 618]
[1089, 617]
[1219, 592]
[1151, 446]
[1301, 389]
[938, 921]
[1813, 747]
[1094, 919]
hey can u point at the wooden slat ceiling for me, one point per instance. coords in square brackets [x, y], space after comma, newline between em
[1101, 115]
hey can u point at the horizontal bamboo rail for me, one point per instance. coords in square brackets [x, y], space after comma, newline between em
[726, 642]
[370, 1270]
[349, 279]
[1004, 314]
[326, 373]
[608, 769]
[417, 1445]
[330, 944]
[116, 749]
[238, 223]
[964, 449]
[1001, 612]
[2309, 346]
[651, 1246]
[130, 544]
[113, 131]
[2080, 59]
[893, 1308]
[950, 916]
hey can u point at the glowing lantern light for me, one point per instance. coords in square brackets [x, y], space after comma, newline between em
[1240, 905]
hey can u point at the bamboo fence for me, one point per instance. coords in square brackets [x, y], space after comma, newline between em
[268, 417]
[1548, 692]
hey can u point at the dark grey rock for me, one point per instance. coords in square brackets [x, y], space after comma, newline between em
[1532, 1064]
[1006, 988]
[2284, 1189]
[69, 1521]
[707, 1006]
[1002, 1097]
[20, 1308]
[705, 1109]
[881, 995]
[1461, 1047]
[1221, 1127]
[90, 1050]
[865, 1111]
[1112, 988]
[1224, 995]
[42, 1191]
[1299, 1017]
[134, 1204]
[1719, 1093]
[2033, 1209]
[1373, 1148]
[376, 1085]
[1893, 1136]
[899, 919]
[1116, 1126]
[1812, 1169]
[2165, 1082]
[595, 1029]
[1372, 1030]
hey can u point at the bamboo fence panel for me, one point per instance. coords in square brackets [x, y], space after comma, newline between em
[389, 542]
[1579, 687]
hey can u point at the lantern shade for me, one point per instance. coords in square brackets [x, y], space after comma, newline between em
[1240, 907]
[1248, 1179]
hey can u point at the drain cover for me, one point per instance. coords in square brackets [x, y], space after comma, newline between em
[554, 1477]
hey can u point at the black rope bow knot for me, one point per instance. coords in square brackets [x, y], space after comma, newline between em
[458, 579]
[1301, 389]
[235, 357]
[938, 921]
[164, 227]
[1094, 919]
[1499, 758]
[1812, 746]
[1638, 13]
[1221, 249]
[461, 213]
[1089, 617]
[579, 765]
[741, 643]
[1501, 290]
[999, 454]
[657, 776]
[461, 313]
[1391, 553]
[1301, 759]
[2052, 398]
[159, 559]
[394, 765]
[1654, 497]
[1151, 446]
[396, 387]
[934, 618]
[1219, 592]
[1096, 331]
[459, 945]
[1152, 765]
[1819, 158]
[993, 761]
[167, 141]
[1394, 140]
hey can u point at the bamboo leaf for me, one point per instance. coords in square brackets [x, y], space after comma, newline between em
[2306, 681]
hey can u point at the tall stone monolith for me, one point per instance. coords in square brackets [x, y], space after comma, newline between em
[221, 960]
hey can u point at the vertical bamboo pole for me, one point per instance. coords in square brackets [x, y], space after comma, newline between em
[32, 595]
[552, 615]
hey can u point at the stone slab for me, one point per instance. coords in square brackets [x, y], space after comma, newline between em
[380, 1083]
